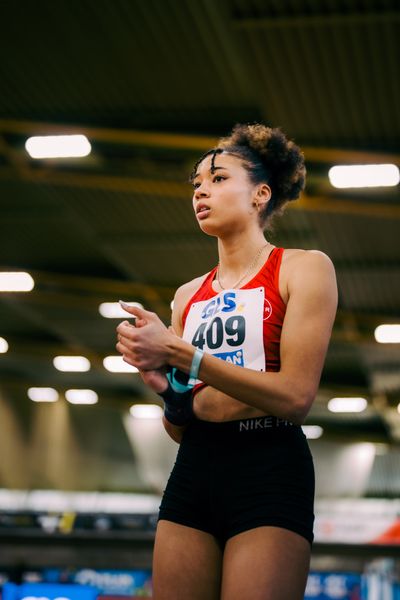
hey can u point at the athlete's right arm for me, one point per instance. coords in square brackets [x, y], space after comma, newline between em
[182, 297]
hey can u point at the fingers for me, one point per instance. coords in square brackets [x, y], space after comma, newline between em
[127, 343]
[126, 348]
[125, 329]
[124, 336]
[141, 344]
[123, 349]
[141, 313]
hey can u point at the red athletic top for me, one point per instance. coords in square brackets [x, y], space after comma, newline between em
[274, 307]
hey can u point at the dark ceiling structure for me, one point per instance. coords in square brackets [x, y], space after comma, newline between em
[153, 85]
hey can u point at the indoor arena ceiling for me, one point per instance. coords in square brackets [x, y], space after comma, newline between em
[153, 84]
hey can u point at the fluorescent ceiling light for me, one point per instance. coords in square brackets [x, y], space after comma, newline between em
[113, 310]
[3, 345]
[172, 305]
[146, 411]
[81, 396]
[312, 432]
[360, 176]
[347, 405]
[58, 146]
[71, 363]
[388, 334]
[43, 394]
[16, 282]
[116, 364]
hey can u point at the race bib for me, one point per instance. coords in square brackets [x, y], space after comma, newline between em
[230, 326]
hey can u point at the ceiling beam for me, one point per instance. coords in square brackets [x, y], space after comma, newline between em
[179, 141]
[172, 189]
[348, 206]
[321, 19]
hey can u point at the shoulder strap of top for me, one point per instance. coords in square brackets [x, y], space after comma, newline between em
[277, 261]
[269, 272]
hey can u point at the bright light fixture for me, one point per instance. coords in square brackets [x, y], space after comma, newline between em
[388, 334]
[3, 345]
[81, 396]
[347, 405]
[312, 432]
[71, 363]
[172, 305]
[360, 176]
[58, 146]
[116, 364]
[43, 394]
[146, 411]
[113, 310]
[16, 282]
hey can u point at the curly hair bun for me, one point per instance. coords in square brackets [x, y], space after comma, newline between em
[282, 160]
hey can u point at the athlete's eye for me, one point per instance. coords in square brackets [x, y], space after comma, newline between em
[218, 178]
[196, 185]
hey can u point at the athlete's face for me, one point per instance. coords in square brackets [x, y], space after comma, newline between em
[224, 198]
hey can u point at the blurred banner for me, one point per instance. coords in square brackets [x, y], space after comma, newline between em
[358, 521]
[47, 591]
[333, 586]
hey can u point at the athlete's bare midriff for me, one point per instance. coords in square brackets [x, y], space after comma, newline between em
[210, 404]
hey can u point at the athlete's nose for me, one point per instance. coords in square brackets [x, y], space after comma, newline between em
[201, 191]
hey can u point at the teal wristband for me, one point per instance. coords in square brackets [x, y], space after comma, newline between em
[179, 381]
[195, 366]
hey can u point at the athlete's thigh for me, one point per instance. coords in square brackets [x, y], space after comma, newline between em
[186, 564]
[265, 563]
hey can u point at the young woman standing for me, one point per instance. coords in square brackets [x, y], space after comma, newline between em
[251, 336]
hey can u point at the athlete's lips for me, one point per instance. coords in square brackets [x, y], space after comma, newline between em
[202, 210]
[201, 207]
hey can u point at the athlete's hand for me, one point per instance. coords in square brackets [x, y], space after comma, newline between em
[155, 379]
[145, 344]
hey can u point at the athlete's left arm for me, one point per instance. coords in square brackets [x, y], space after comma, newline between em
[310, 313]
[306, 331]
[290, 392]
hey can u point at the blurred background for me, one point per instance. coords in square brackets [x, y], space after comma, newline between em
[152, 85]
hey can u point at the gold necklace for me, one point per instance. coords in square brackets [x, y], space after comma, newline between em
[247, 271]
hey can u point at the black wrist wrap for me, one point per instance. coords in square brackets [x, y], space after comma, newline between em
[177, 405]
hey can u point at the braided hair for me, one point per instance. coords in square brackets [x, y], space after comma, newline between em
[269, 157]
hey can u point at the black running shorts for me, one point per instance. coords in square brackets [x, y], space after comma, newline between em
[234, 476]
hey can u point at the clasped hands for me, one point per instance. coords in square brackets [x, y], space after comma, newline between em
[145, 345]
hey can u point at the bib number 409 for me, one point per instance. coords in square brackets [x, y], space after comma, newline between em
[215, 333]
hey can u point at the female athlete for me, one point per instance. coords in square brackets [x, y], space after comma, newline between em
[239, 370]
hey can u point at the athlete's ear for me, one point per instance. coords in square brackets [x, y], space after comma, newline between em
[262, 196]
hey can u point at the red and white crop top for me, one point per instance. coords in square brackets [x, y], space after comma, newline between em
[242, 326]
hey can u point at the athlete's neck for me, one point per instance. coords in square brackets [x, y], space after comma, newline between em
[236, 254]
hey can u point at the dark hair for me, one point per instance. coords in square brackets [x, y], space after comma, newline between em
[268, 156]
